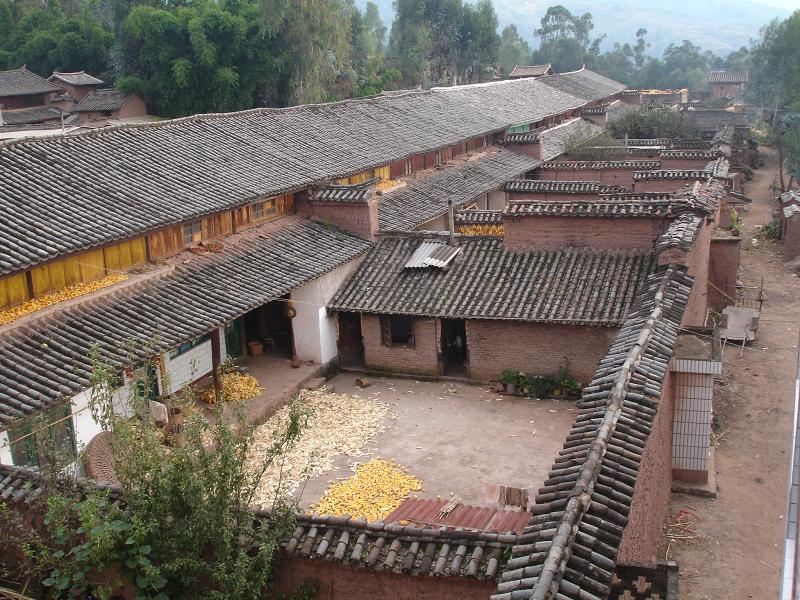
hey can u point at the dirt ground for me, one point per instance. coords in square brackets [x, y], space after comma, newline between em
[454, 437]
[737, 552]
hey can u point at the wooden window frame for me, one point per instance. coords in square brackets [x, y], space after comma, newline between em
[25, 452]
[195, 233]
[387, 335]
[262, 211]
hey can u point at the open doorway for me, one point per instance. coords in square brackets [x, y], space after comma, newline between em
[454, 348]
[270, 326]
[351, 344]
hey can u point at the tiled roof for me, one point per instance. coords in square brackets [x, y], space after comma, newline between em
[598, 165]
[556, 140]
[552, 186]
[48, 360]
[478, 217]
[791, 196]
[790, 211]
[569, 549]
[647, 209]
[114, 183]
[27, 116]
[698, 174]
[680, 233]
[706, 154]
[727, 77]
[637, 197]
[102, 100]
[21, 82]
[641, 142]
[705, 196]
[417, 551]
[724, 136]
[356, 192]
[718, 167]
[488, 281]
[530, 70]
[595, 110]
[424, 199]
[530, 137]
[77, 79]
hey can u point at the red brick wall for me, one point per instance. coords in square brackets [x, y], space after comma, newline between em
[791, 237]
[337, 581]
[551, 197]
[678, 164]
[422, 358]
[622, 177]
[535, 348]
[605, 233]
[652, 489]
[722, 269]
[532, 150]
[134, 107]
[662, 185]
[359, 217]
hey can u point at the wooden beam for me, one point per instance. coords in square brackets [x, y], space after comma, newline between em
[216, 360]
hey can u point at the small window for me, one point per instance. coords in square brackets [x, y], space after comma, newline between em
[29, 449]
[262, 210]
[397, 331]
[192, 233]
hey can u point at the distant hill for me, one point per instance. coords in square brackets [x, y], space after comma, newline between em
[717, 25]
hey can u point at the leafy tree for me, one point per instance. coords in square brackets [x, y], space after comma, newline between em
[652, 123]
[179, 525]
[478, 41]
[513, 49]
[564, 39]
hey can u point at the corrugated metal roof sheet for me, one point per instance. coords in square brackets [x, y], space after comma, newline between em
[431, 254]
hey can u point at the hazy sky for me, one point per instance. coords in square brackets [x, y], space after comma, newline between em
[787, 4]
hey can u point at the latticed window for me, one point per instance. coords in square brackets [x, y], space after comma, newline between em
[192, 233]
[29, 447]
[264, 209]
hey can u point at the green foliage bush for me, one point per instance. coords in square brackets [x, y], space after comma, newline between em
[653, 123]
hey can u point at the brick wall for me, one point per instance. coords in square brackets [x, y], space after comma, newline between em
[422, 358]
[359, 217]
[622, 177]
[600, 233]
[678, 164]
[535, 348]
[652, 489]
[337, 581]
[697, 260]
[723, 269]
[791, 237]
[551, 197]
[532, 150]
[668, 186]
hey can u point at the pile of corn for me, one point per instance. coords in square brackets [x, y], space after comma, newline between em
[374, 492]
[69, 292]
[235, 386]
[481, 229]
[337, 424]
[385, 184]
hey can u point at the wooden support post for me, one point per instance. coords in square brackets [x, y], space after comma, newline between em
[216, 360]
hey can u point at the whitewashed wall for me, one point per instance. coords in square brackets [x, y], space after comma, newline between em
[5, 449]
[187, 367]
[314, 331]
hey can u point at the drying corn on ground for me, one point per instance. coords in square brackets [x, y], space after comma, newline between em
[374, 492]
[337, 424]
[69, 292]
[235, 386]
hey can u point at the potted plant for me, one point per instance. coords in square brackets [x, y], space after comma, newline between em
[512, 380]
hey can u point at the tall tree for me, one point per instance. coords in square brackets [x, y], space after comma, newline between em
[513, 49]
[564, 39]
[478, 41]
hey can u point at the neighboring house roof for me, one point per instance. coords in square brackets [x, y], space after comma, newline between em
[727, 77]
[614, 209]
[599, 165]
[356, 192]
[570, 546]
[47, 360]
[25, 116]
[21, 82]
[698, 174]
[595, 110]
[553, 186]
[557, 140]
[100, 186]
[106, 100]
[479, 217]
[689, 153]
[78, 79]
[531, 70]
[486, 280]
[681, 233]
[424, 199]
[432, 551]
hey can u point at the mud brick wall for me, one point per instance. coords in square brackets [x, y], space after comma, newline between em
[600, 233]
[422, 358]
[653, 483]
[622, 177]
[791, 237]
[535, 348]
[668, 186]
[337, 581]
[551, 197]
[723, 268]
[678, 164]
[359, 217]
